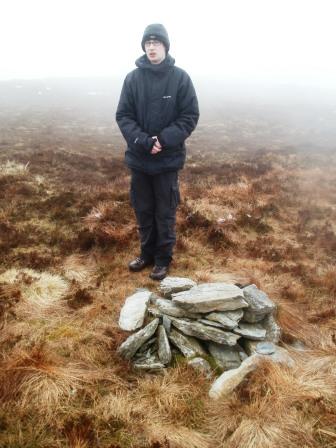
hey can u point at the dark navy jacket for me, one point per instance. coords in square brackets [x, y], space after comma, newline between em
[157, 100]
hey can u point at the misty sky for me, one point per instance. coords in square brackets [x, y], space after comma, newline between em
[286, 40]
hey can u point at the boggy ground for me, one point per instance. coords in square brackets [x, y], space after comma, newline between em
[66, 234]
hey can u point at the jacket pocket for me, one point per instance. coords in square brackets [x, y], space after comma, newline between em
[175, 197]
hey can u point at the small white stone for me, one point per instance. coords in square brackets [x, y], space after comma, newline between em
[132, 314]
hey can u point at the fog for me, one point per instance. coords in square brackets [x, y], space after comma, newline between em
[233, 114]
[291, 41]
[265, 69]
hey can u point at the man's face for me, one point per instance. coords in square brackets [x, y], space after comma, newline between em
[155, 51]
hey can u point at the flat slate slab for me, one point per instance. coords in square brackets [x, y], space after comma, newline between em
[211, 323]
[265, 348]
[129, 347]
[259, 304]
[149, 364]
[168, 307]
[164, 351]
[187, 345]
[171, 285]
[226, 357]
[251, 331]
[166, 323]
[132, 314]
[209, 297]
[228, 319]
[205, 332]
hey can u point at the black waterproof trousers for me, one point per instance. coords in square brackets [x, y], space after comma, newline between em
[155, 199]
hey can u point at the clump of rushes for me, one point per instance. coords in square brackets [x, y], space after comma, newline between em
[80, 268]
[38, 379]
[79, 432]
[160, 410]
[110, 222]
[15, 169]
[9, 296]
[277, 406]
[40, 291]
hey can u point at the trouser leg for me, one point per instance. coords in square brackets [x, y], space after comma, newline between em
[143, 202]
[167, 198]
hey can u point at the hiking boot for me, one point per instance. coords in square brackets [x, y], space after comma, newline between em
[138, 264]
[159, 272]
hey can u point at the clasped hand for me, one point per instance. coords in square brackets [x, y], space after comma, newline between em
[157, 146]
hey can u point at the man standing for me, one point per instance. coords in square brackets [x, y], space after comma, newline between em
[157, 111]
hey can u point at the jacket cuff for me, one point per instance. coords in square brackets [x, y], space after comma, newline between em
[149, 143]
[145, 142]
[162, 141]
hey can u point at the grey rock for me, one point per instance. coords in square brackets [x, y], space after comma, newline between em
[147, 345]
[154, 311]
[259, 304]
[235, 315]
[188, 345]
[274, 352]
[201, 365]
[209, 297]
[205, 332]
[273, 331]
[129, 347]
[226, 357]
[253, 318]
[265, 348]
[171, 285]
[149, 364]
[132, 314]
[282, 356]
[228, 319]
[251, 331]
[166, 323]
[146, 355]
[249, 346]
[212, 323]
[154, 297]
[230, 379]
[140, 360]
[164, 351]
[166, 306]
[152, 350]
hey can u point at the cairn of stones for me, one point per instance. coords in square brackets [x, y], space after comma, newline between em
[216, 326]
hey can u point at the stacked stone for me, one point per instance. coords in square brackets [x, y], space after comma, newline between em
[217, 321]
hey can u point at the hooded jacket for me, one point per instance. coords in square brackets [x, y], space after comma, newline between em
[157, 100]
